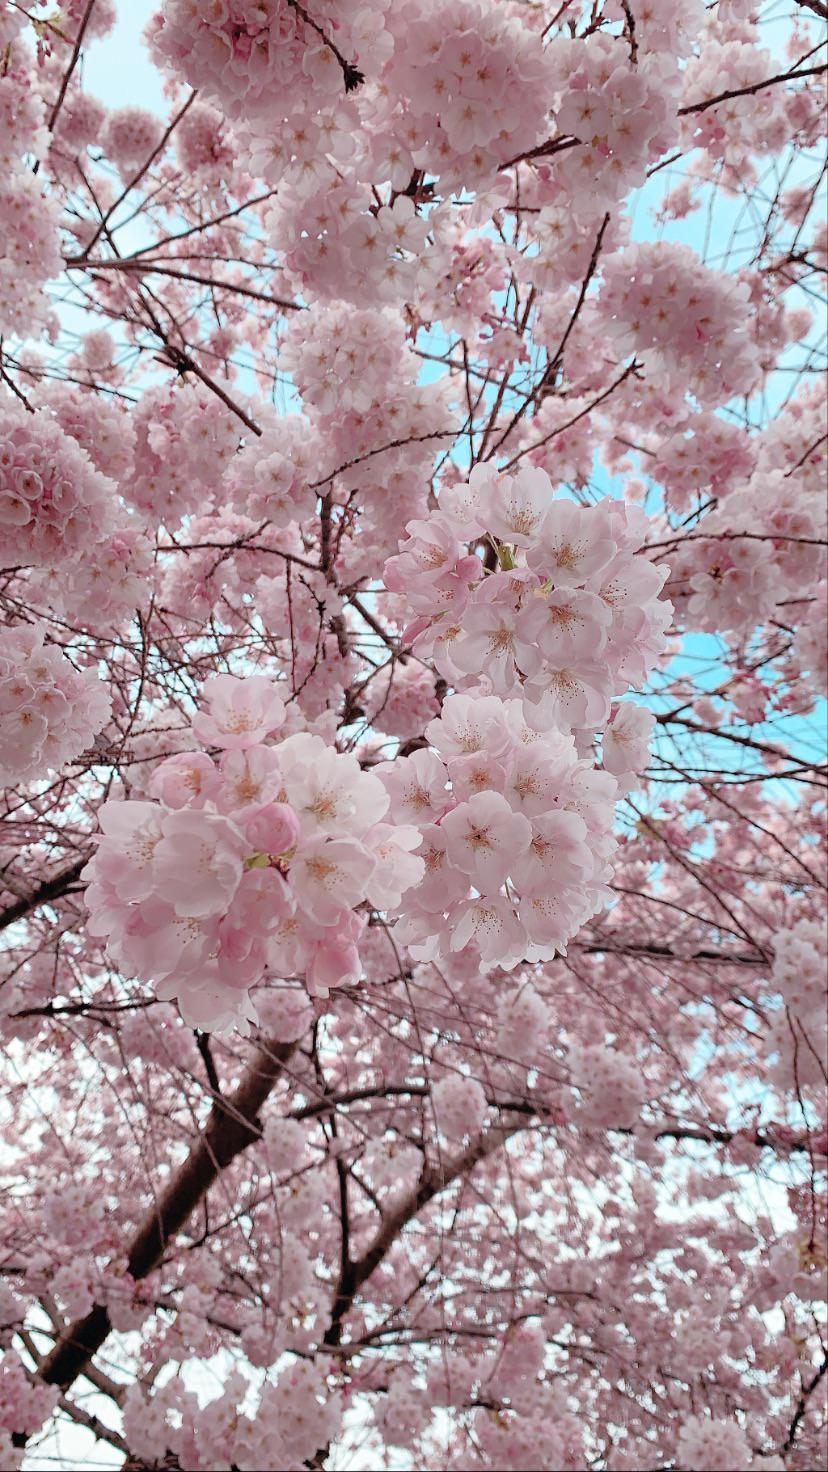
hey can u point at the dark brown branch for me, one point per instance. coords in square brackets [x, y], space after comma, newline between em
[50, 889]
[73, 61]
[694, 107]
[352, 75]
[231, 1127]
[807, 1391]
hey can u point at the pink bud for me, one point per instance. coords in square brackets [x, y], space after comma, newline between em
[272, 829]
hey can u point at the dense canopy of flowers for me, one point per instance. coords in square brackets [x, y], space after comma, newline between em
[413, 636]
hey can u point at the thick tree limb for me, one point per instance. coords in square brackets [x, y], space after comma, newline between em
[50, 889]
[231, 1127]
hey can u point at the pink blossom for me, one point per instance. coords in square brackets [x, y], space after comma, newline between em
[626, 743]
[186, 780]
[329, 876]
[273, 828]
[485, 839]
[198, 861]
[240, 712]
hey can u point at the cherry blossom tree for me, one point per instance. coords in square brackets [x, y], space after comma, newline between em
[412, 462]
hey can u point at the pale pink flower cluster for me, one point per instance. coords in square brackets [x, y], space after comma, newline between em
[623, 115]
[72, 14]
[103, 587]
[284, 1142]
[49, 711]
[571, 617]
[763, 546]
[391, 1163]
[524, 1024]
[708, 455]
[258, 861]
[80, 122]
[661, 25]
[609, 1083]
[707, 1445]
[688, 324]
[25, 1402]
[102, 426]
[342, 359]
[131, 137]
[29, 255]
[755, 121]
[452, 82]
[799, 1024]
[192, 587]
[810, 646]
[402, 700]
[265, 62]
[184, 441]
[72, 1214]
[459, 1106]
[293, 1417]
[205, 145]
[337, 245]
[516, 834]
[359, 381]
[74, 1285]
[566, 233]
[22, 114]
[459, 283]
[29, 241]
[271, 477]
[52, 498]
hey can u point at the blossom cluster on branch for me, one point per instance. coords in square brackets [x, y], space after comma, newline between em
[413, 635]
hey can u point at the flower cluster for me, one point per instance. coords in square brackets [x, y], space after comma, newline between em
[102, 589]
[799, 1024]
[763, 546]
[102, 427]
[660, 302]
[50, 492]
[516, 833]
[294, 1415]
[131, 137]
[359, 378]
[184, 441]
[29, 241]
[706, 456]
[337, 244]
[49, 711]
[706, 1445]
[204, 144]
[571, 617]
[257, 861]
[459, 1106]
[752, 121]
[625, 748]
[456, 70]
[24, 1403]
[401, 701]
[622, 115]
[670, 26]
[271, 478]
[271, 63]
[611, 1090]
[811, 640]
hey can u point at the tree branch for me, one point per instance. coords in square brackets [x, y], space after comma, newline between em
[231, 1127]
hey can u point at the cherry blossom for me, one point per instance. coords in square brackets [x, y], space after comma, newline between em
[412, 656]
[51, 711]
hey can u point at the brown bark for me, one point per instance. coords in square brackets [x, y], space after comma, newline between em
[231, 1127]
